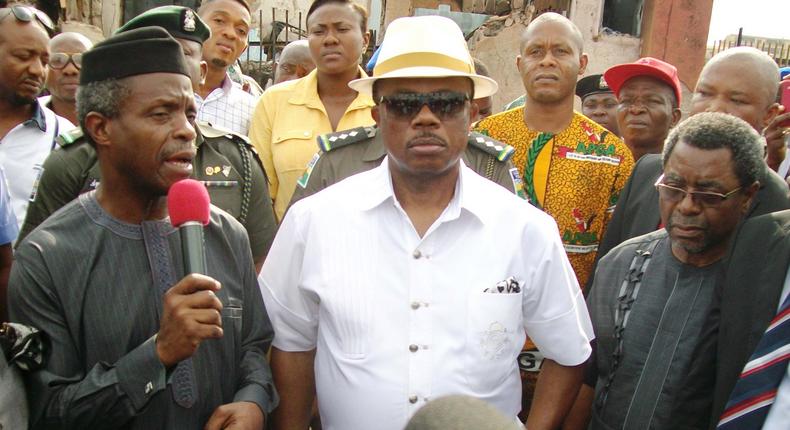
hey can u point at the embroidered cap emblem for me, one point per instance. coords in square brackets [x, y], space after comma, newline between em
[189, 20]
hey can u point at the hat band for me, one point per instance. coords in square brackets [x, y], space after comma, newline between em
[422, 59]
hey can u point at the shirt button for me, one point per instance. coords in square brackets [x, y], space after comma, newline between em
[412, 399]
[416, 254]
[413, 348]
[306, 134]
[415, 305]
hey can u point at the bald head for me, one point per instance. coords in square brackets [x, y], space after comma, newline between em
[551, 61]
[64, 73]
[74, 42]
[740, 81]
[551, 18]
[295, 62]
[763, 68]
[460, 413]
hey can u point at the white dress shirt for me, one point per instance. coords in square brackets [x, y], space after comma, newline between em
[229, 107]
[23, 151]
[397, 319]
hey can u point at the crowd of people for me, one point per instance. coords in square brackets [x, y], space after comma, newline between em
[383, 249]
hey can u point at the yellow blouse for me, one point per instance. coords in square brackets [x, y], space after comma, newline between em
[286, 122]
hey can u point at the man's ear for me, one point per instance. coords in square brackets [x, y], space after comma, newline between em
[518, 64]
[203, 72]
[97, 126]
[583, 60]
[677, 114]
[749, 192]
[301, 71]
[474, 109]
[365, 41]
[374, 112]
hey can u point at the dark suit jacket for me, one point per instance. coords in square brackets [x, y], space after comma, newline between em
[744, 305]
[637, 211]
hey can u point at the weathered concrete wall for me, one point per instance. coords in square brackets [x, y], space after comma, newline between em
[676, 31]
[496, 45]
[104, 14]
[92, 32]
[395, 9]
[603, 50]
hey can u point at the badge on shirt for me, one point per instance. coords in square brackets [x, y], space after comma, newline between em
[495, 341]
[518, 183]
[302, 182]
[39, 171]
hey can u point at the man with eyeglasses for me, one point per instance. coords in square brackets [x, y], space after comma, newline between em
[419, 278]
[740, 81]
[650, 296]
[65, 62]
[27, 129]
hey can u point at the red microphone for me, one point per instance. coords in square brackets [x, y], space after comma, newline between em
[188, 205]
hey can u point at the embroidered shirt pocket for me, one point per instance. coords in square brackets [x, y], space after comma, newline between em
[494, 326]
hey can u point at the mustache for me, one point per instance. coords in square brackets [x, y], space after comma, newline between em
[683, 221]
[426, 137]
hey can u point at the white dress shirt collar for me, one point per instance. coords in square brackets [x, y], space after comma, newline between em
[466, 196]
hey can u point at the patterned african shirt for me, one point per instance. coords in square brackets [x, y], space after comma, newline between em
[575, 176]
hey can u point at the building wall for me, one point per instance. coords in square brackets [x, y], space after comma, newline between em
[676, 31]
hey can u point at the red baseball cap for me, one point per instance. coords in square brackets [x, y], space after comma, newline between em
[616, 76]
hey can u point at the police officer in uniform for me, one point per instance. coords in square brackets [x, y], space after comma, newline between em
[349, 152]
[598, 102]
[225, 162]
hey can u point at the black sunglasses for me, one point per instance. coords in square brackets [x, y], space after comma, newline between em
[60, 60]
[444, 104]
[28, 14]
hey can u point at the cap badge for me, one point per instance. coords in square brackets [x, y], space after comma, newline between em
[189, 20]
[602, 84]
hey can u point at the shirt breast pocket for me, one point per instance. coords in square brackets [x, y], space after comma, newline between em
[292, 149]
[494, 328]
[232, 313]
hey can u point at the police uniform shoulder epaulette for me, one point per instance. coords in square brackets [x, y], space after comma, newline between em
[330, 141]
[69, 137]
[497, 149]
[212, 132]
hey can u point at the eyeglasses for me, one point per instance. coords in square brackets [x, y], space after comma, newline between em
[60, 60]
[706, 199]
[27, 14]
[444, 104]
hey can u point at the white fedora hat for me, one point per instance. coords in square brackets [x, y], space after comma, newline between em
[424, 47]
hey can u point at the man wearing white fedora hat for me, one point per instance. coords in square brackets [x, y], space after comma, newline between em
[420, 278]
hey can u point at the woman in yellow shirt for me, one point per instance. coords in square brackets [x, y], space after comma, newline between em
[291, 115]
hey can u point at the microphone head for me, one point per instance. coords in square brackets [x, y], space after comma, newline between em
[187, 200]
